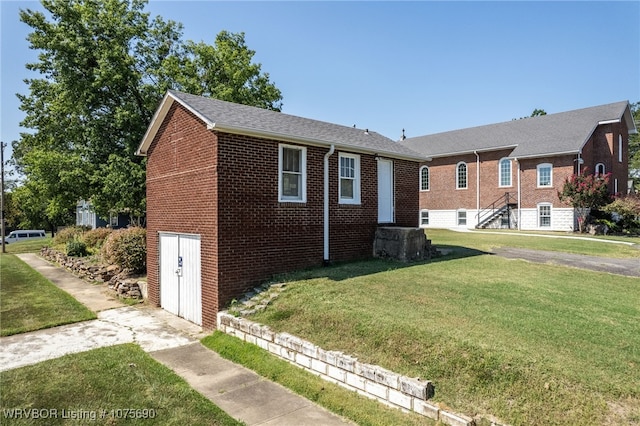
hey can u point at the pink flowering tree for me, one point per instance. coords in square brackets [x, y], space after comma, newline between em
[584, 192]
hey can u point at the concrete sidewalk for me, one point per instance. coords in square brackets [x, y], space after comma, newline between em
[170, 340]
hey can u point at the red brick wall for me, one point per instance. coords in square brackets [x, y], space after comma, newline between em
[225, 188]
[181, 187]
[261, 237]
[563, 168]
[443, 194]
[602, 147]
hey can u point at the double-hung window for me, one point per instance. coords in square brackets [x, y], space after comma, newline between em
[424, 217]
[292, 174]
[545, 175]
[461, 176]
[349, 183]
[544, 215]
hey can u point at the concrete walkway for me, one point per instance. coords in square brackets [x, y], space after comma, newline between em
[170, 340]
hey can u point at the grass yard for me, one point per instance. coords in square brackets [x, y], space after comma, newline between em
[28, 301]
[489, 239]
[109, 383]
[527, 343]
[32, 246]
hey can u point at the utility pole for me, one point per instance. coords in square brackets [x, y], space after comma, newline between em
[2, 145]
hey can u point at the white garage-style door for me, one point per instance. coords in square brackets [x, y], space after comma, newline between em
[180, 276]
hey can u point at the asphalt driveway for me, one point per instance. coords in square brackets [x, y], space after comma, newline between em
[627, 267]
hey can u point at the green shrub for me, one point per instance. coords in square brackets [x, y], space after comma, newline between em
[127, 248]
[70, 233]
[96, 237]
[76, 248]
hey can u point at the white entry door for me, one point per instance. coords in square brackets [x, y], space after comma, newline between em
[385, 191]
[180, 276]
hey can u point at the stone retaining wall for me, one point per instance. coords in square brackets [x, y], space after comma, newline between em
[405, 393]
[122, 282]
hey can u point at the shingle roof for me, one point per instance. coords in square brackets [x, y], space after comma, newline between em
[242, 119]
[551, 134]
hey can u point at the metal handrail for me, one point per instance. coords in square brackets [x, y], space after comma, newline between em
[491, 211]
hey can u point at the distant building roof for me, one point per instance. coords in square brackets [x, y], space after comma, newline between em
[247, 120]
[545, 135]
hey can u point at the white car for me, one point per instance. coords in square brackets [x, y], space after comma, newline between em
[24, 235]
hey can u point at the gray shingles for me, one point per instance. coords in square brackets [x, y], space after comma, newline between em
[226, 114]
[564, 132]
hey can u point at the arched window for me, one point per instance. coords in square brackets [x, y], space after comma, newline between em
[461, 175]
[620, 148]
[600, 170]
[424, 178]
[545, 175]
[505, 172]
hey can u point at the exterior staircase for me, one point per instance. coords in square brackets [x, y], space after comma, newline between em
[498, 213]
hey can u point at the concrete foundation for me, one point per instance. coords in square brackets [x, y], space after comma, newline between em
[403, 244]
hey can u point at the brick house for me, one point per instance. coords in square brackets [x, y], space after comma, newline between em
[237, 194]
[509, 174]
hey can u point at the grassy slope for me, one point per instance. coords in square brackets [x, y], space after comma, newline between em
[525, 342]
[28, 301]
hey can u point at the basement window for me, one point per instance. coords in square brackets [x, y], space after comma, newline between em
[544, 215]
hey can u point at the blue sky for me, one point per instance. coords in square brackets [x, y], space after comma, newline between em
[426, 67]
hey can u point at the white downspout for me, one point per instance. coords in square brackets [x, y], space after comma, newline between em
[325, 260]
[477, 186]
[519, 198]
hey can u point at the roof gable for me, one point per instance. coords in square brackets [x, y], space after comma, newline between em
[234, 118]
[547, 135]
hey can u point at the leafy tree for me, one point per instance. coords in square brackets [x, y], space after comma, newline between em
[538, 112]
[628, 210]
[103, 67]
[583, 192]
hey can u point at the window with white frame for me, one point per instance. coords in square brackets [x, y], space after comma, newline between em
[462, 217]
[461, 176]
[600, 169]
[349, 184]
[505, 172]
[424, 217]
[292, 174]
[544, 215]
[113, 220]
[424, 178]
[545, 175]
[619, 148]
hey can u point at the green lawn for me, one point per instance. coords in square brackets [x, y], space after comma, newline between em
[527, 343]
[32, 246]
[28, 301]
[488, 239]
[108, 384]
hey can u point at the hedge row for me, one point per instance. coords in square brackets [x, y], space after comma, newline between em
[126, 248]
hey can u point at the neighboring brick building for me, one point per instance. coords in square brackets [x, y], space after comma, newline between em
[237, 194]
[509, 174]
